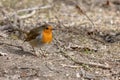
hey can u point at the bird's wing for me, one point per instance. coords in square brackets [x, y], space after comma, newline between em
[34, 33]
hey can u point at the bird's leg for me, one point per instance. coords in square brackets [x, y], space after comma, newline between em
[34, 52]
[33, 49]
[42, 52]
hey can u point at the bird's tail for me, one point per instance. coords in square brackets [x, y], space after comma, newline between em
[20, 30]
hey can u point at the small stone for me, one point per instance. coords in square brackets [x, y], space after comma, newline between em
[77, 75]
[112, 22]
[37, 79]
[67, 74]
[3, 54]
[100, 10]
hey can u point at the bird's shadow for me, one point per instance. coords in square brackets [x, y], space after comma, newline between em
[18, 50]
[22, 52]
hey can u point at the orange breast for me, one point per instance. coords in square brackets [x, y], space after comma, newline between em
[46, 37]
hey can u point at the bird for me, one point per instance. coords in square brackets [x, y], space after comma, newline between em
[38, 36]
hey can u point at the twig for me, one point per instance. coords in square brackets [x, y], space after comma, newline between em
[71, 66]
[98, 40]
[51, 69]
[63, 53]
[35, 8]
[27, 15]
[81, 11]
[4, 12]
[86, 63]
[12, 45]
[27, 10]
[59, 22]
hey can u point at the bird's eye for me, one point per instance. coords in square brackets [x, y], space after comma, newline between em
[47, 28]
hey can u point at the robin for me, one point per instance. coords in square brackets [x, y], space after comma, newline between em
[39, 36]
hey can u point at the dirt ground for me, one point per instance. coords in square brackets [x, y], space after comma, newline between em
[79, 50]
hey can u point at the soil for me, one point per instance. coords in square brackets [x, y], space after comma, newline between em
[80, 50]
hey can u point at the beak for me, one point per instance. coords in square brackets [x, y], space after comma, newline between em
[53, 29]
